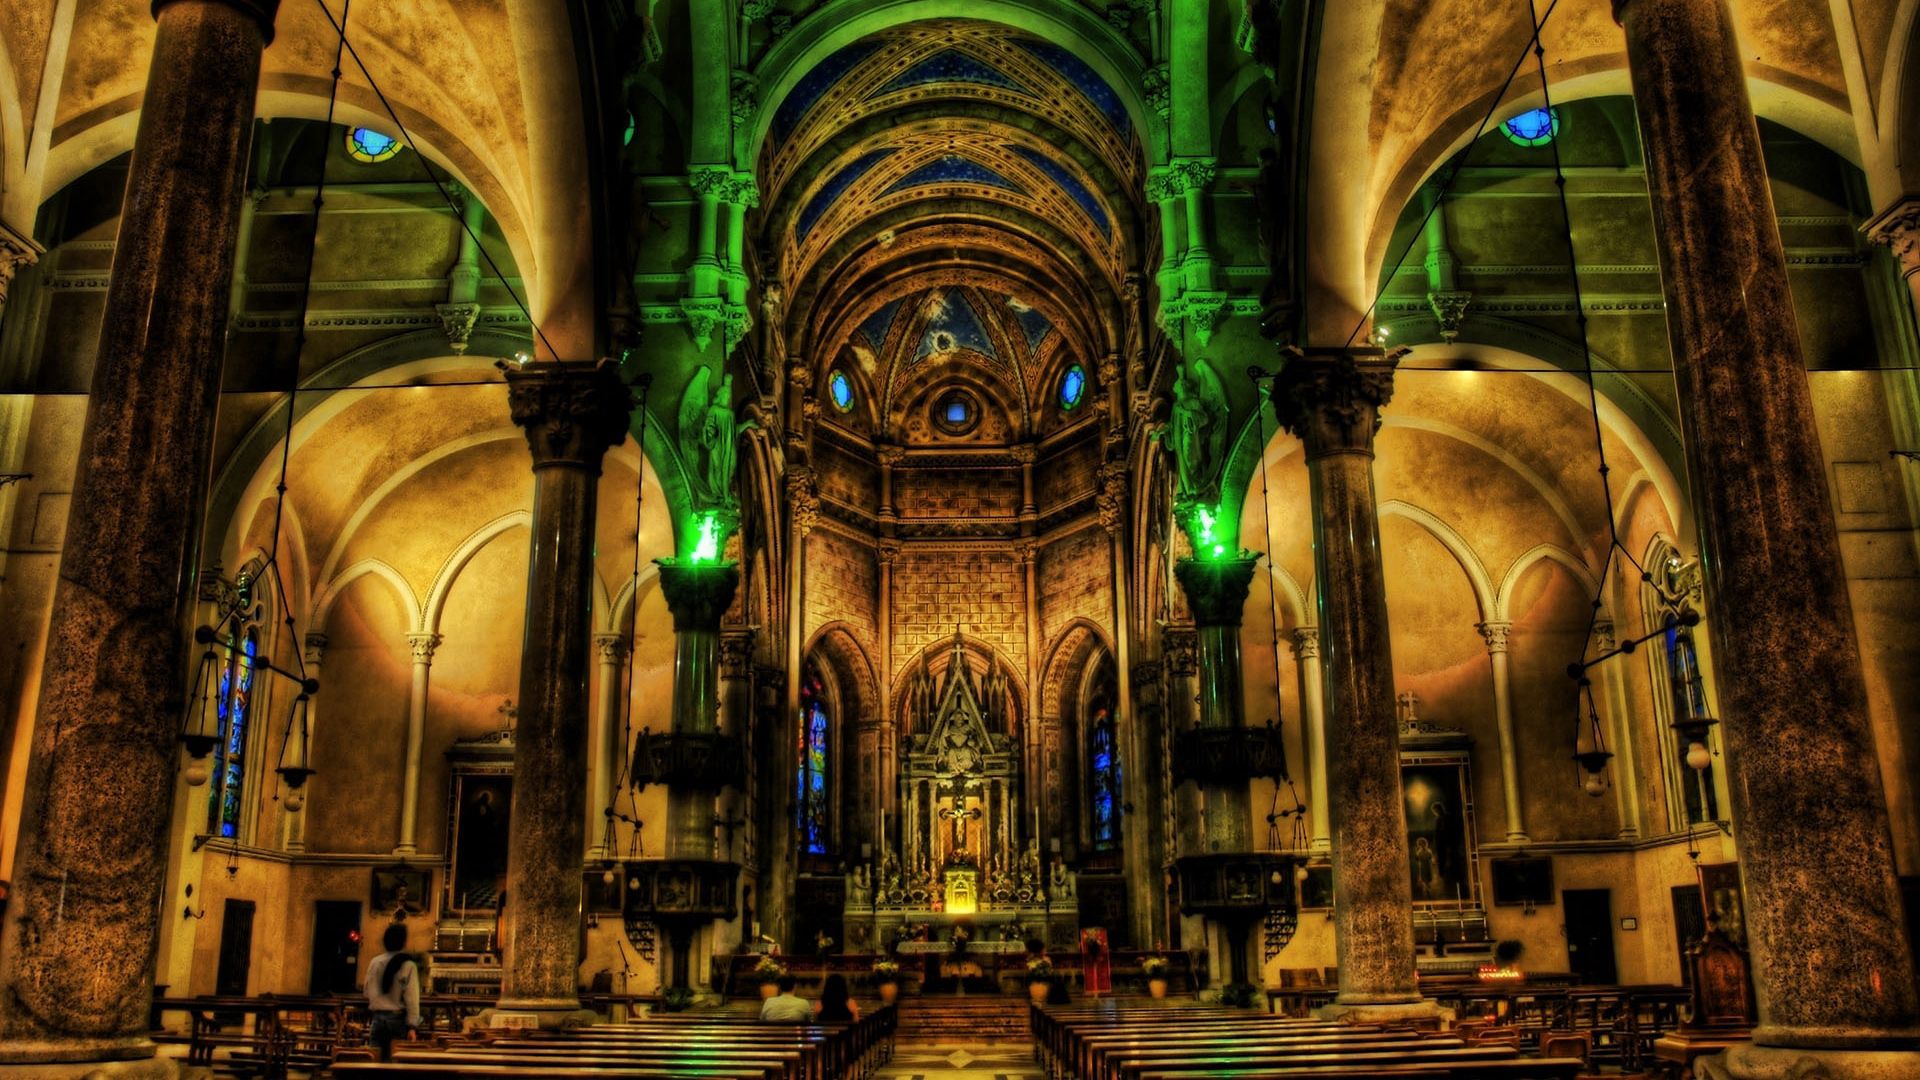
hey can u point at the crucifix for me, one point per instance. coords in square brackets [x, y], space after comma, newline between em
[960, 815]
[1409, 705]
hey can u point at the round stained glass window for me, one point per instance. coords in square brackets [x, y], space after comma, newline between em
[1073, 386]
[955, 412]
[1536, 128]
[369, 146]
[841, 388]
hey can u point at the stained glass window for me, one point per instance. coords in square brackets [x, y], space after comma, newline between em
[811, 797]
[1689, 691]
[955, 413]
[841, 388]
[235, 709]
[369, 146]
[1073, 386]
[1103, 763]
[1536, 128]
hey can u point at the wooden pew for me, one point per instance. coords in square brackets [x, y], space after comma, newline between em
[1517, 1068]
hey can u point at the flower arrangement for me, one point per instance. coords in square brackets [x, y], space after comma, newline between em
[1039, 969]
[768, 970]
[886, 971]
[1155, 967]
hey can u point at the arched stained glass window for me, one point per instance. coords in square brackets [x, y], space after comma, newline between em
[810, 801]
[370, 147]
[235, 710]
[841, 388]
[1689, 691]
[1103, 767]
[1536, 128]
[1073, 386]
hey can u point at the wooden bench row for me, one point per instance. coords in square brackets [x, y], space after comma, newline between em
[1106, 1043]
[680, 1045]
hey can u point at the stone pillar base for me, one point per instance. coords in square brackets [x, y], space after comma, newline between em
[1384, 1012]
[145, 1068]
[544, 1015]
[1750, 1062]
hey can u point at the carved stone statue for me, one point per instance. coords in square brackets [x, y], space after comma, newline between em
[709, 435]
[1196, 431]
[1062, 881]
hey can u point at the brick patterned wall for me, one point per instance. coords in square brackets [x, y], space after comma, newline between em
[1075, 581]
[984, 592]
[842, 585]
[1072, 471]
[846, 477]
[944, 494]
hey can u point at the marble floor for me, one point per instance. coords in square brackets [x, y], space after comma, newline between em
[994, 1061]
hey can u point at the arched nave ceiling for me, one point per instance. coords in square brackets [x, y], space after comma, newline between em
[960, 164]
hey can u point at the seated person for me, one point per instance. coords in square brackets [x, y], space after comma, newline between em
[836, 1004]
[786, 1007]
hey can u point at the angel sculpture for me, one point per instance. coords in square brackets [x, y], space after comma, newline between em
[709, 434]
[1197, 429]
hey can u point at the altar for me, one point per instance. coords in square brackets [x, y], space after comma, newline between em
[958, 866]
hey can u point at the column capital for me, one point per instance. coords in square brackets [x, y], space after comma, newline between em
[1112, 496]
[889, 454]
[1178, 646]
[316, 648]
[1897, 228]
[1025, 453]
[803, 496]
[887, 551]
[1603, 635]
[1027, 550]
[263, 12]
[736, 653]
[574, 411]
[1216, 588]
[698, 594]
[1331, 398]
[423, 646]
[17, 249]
[611, 648]
[1495, 634]
[1306, 643]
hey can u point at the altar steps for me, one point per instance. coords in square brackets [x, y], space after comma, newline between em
[971, 1019]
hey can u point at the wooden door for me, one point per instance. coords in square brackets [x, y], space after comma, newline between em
[335, 965]
[236, 949]
[1589, 928]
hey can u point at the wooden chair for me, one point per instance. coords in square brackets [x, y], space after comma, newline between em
[1567, 1044]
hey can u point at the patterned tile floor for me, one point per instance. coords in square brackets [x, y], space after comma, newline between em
[996, 1061]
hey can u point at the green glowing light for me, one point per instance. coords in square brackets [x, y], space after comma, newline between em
[707, 548]
[1202, 523]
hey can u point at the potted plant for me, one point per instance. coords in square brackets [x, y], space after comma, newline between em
[886, 981]
[1238, 995]
[1155, 969]
[1040, 978]
[767, 973]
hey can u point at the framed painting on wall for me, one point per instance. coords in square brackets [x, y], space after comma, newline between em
[1440, 847]
[400, 888]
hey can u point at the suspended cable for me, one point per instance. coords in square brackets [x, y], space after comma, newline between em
[427, 166]
[1453, 172]
[634, 842]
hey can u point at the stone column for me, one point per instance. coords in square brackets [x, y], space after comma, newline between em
[1897, 228]
[611, 651]
[82, 922]
[803, 502]
[573, 412]
[697, 594]
[1313, 731]
[885, 554]
[296, 820]
[1216, 592]
[1331, 399]
[1626, 776]
[889, 458]
[1496, 634]
[1025, 454]
[422, 646]
[1832, 974]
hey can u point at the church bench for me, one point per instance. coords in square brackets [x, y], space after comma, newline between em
[1511, 1069]
[808, 1057]
[375, 1070]
[1110, 1061]
[1227, 1060]
[764, 1064]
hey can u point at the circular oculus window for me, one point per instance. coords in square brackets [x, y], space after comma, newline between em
[956, 412]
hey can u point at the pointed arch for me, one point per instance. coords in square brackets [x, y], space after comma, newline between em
[323, 606]
[450, 570]
[1450, 538]
[1539, 552]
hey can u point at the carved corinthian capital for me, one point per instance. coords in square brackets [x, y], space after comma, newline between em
[17, 249]
[1897, 228]
[1331, 398]
[574, 411]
